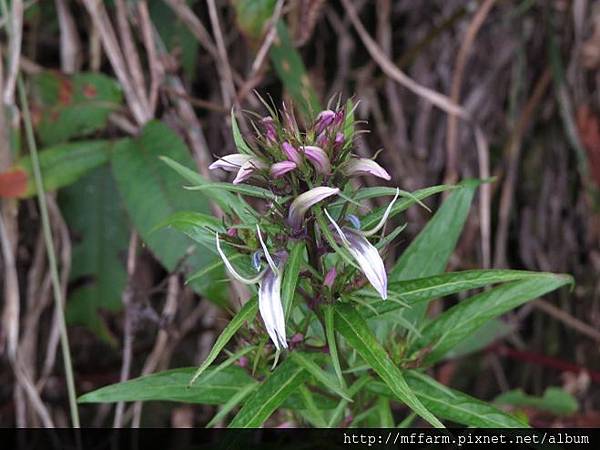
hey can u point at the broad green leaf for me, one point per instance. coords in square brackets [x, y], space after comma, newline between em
[152, 193]
[451, 327]
[555, 400]
[247, 313]
[234, 401]
[100, 233]
[419, 290]
[72, 106]
[61, 165]
[173, 385]
[272, 392]
[451, 404]
[313, 414]
[290, 277]
[304, 360]
[357, 333]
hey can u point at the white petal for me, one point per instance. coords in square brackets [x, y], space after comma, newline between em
[267, 254]
[384, 218]
[304, 201]
[231, 269]
[231, 163]
[248, 169]
[366, 255]
[270, 307]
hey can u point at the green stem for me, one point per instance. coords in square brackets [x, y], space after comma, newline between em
[58, 297]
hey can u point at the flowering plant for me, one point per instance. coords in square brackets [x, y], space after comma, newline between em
[341, 341]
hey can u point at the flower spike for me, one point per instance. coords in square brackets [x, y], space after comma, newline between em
[305, 201]
[365, 254]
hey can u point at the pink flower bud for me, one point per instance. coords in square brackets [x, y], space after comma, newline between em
[269, 127]
[232, 232]
[322, 140]
[318, 158]
[330, 277]
[338, 142]
[291, 153]
[281, 168]
[324, 119]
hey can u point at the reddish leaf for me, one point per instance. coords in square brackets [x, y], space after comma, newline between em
[13, 183]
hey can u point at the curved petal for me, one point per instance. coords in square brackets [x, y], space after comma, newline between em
[305, 201]
[291, 152]
[231, 163]
[381, 223]
[248, 168]
[281, 168]
[231, 269]
[318, 158]
[270, 307]
[366, 255]
[365, 166]
[267, 254]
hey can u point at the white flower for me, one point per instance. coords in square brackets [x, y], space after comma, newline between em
[244, 165]
[305, 201]
[269, 292]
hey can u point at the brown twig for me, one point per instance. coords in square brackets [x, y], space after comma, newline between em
[70, 45]
[459, 69]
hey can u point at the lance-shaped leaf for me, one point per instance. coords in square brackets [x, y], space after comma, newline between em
[305, 201]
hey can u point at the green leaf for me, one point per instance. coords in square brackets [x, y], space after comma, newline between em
[328, 314]
[555, 400]
[290, 277]
[444, 332]
[98, 223]
[198, 226]
[240, 143]
[152, 193]
[73, 106]
[429, 253]
[273, 391]
[244, 189]
[173, 385]
[304, 360]
[420, 290]
[226, 201]
[247, 313]
[251, 16]
[237, 398]
[62, 165]
[451, 404]
[357, 333]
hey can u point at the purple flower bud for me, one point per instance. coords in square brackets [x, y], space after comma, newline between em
[318, 158]
[364, 166]
[281, 168]
[338, 142]
[339, 118]
[270, 132]
[305, 201]
[291, 153]
[324, 119]
[231, 232]
[322, 140]
[330, 277]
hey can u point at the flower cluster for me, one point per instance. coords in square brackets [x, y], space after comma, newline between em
[308, 173]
